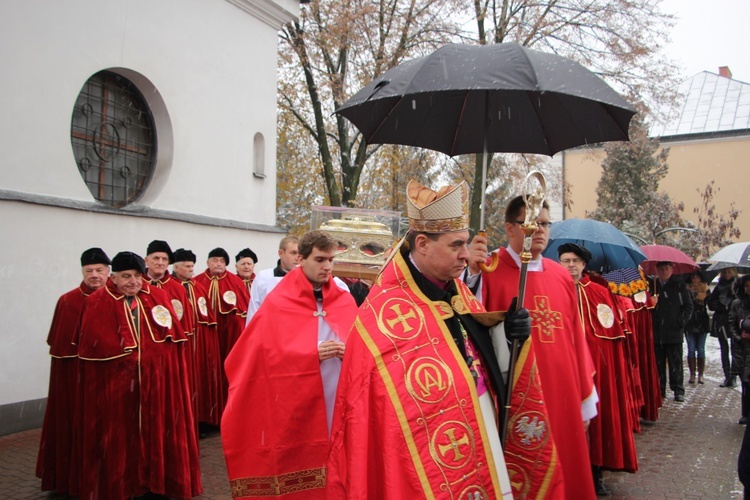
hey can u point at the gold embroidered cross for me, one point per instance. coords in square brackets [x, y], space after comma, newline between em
[545, 319]
[401, 318]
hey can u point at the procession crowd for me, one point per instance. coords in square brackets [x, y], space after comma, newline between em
[404, 392]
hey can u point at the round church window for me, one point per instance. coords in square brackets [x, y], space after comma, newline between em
[114, 139]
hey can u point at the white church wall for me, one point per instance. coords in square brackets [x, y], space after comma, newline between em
[208, 71]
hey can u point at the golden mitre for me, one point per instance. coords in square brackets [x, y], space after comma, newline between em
[439, 211]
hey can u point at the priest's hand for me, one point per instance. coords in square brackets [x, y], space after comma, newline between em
[477, 253]
[517, 323]
[329, 349]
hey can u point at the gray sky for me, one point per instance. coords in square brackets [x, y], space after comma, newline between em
[709, 34]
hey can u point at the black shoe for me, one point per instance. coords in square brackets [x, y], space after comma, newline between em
[725, 383]
[679, 398]
[743, 421]
[601, 490]
[731, 382]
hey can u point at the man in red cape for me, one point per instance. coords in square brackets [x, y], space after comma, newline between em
[229, 300]
[283, 374]
[558, 344]
[209, 399]
[416, 411]
[611, 442]
[244, 264]
[639, 314]
[53, 461]
[138, 435]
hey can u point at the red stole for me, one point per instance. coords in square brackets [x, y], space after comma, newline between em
[408, 425]
[563, 360]
[274, 427]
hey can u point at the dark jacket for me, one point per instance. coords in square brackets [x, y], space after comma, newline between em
[672, 311]
[739, 310]
[698, 323]
[719, 301]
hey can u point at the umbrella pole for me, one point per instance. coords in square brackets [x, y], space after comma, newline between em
[495, 259]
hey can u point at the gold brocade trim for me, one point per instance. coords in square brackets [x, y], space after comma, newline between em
[452, 443]
[283, 484]
[438, 225]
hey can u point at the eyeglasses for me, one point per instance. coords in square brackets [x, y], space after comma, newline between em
[565, 262]
[542, 225]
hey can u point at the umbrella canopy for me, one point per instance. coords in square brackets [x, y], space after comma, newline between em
[610, 248]
[734, 255]
[664, 253]
[489, 98]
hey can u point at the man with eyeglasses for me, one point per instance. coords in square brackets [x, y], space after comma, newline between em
[611, 442]
[558, 345]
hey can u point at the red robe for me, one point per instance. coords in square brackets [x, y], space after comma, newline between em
[181, 304]
[53, 461]
[274, 428]
[631, 356]
[562, 357]
[228, 300]
[640, 319]
[206, 357]
[407, 421]
[138, 430]
[611, 441]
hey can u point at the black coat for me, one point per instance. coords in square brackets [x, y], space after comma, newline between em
[719, 301]
[672, 311]
[739, 310]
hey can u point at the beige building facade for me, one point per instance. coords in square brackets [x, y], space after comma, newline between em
[708, 141]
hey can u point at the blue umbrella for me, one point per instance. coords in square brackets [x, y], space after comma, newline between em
[610, 248]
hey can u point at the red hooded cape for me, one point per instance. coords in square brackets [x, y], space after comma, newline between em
[274, 427]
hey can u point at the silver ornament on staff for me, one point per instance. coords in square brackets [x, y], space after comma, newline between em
[535, 192]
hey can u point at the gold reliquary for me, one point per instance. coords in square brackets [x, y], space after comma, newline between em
[364, 237]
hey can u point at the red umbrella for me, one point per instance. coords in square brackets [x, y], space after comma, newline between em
[682, 264]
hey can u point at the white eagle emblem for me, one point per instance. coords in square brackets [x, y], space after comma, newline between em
[531, 432]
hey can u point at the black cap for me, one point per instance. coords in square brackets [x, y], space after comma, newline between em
[246, 252]
[94, 256]
[182, 255]
[219, 252]
[160, 246]
[580, 251]
[126, 261]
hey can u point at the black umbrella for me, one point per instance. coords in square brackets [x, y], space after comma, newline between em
[489, 98]
[516, 99]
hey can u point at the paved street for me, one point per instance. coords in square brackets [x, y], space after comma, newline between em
[691, 452]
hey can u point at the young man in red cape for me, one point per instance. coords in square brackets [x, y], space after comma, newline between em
[557, 349]
[209, 399]
[611, 441]
[418, 399]
[137, 429]
[283, 374]
[53, 462]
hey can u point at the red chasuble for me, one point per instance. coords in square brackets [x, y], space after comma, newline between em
[407, 421]
[274, 428]
[206, 357]
[562, 357]
[53, 461]
[611, 441]
[640, 320]
[138, 433]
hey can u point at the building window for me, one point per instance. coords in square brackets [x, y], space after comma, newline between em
[259, 156]
[114, 139]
